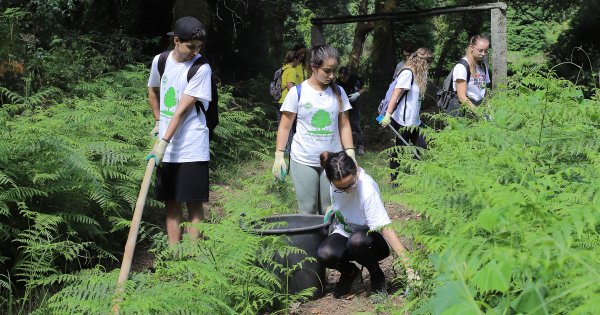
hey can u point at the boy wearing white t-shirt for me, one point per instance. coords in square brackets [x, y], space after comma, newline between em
[182, 155]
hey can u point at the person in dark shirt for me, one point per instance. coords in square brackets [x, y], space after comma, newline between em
[354, 87]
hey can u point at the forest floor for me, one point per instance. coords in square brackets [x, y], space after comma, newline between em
[360, 300]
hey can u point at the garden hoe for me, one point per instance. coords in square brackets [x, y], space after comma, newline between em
[133, 233]
[379, 118]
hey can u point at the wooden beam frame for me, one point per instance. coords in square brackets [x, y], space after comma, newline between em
[498, 29]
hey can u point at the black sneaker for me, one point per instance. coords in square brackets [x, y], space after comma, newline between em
[378, 284]
[344, 285]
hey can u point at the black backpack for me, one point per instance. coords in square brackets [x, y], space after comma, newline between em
[446, 94]
[275, 87]
[212, 114]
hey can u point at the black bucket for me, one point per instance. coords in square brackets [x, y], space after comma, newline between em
[304, 231]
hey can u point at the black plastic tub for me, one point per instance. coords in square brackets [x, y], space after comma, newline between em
[304, 231]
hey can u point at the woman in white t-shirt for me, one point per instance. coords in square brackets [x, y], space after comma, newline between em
[357, 212]
[471, 93]
[405, 103]
[321, 108]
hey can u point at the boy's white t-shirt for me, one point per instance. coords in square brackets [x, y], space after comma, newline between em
[317, 128]
[190, 142]
[407, 111]
[363, 206]
[477, 83]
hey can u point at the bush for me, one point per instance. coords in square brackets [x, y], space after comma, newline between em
[511, 206]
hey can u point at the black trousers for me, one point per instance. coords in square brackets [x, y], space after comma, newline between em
[413, 137]
[367, 249]
[357, 133]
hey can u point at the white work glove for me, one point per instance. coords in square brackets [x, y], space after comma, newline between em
[279, 168]
[154, 132]
[158, 151]
[413, 279]
[387, 119]
[350, 152]
[352, 97]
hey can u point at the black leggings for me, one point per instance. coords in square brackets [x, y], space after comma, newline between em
[367, 249]
[413, 137]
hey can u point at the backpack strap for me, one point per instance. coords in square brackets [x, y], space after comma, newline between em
[162, 61]
[412, 80]
[299, 90]
[191, 72]
[467, 66]
[195, 66]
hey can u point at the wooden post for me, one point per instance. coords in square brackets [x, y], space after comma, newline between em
[499, 47]
[316, 35]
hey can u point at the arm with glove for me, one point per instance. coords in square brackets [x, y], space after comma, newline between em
[185, 103]
[396, 244]
[346, 134]
[285, 125]
[391, 107]
[353, 97]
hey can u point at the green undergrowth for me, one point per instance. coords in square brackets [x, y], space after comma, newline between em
[511, 206]
[70, 171]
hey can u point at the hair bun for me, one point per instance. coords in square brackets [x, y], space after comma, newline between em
[323, 157]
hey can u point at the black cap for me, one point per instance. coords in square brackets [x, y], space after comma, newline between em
[186, 27]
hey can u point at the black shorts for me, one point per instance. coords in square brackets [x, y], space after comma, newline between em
[182, 182]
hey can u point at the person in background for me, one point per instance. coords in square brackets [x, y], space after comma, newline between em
[407, 49]
[182, 155]
[289, 78]
[321, 108]
[354, 87]
[470, 94]
[301, 71]
[361, 229]
[404, 106]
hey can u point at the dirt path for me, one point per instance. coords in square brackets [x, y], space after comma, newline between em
[357, 302]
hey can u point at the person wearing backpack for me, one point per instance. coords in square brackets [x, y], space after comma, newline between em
[321, 108]
[404, 105]
[289, 78]
[470, 77]
[301, 73]
[182, 155]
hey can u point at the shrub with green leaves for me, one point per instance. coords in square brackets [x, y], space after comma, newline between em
[70, 172]
[511, 206]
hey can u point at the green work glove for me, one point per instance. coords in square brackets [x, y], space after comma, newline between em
[328, 215]
[158, 151]
[279, 167]
[387, 119]
[350, 152]
[154, 132]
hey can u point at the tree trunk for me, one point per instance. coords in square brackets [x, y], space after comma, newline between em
[384, 59]
[279, 15]
[361, 31]
[199, 9]
[383, 55]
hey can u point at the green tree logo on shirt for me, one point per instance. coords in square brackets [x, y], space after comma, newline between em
[170, 101]
[321, 119]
